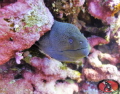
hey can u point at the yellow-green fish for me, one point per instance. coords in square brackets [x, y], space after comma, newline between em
[64, 42]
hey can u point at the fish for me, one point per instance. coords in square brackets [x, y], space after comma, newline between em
[64, 42]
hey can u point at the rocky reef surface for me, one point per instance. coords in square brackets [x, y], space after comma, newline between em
[24, 70]
[21, 26]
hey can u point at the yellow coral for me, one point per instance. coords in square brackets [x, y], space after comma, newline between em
[116, 8]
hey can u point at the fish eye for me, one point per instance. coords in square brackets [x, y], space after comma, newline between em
[81, 42]
[70, 41]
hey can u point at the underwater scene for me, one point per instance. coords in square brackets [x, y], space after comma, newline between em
[59, 46]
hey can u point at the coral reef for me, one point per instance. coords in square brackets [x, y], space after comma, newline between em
[99, 21]
[103, 9]
[47, 76]
[20, 29]
[89, 88]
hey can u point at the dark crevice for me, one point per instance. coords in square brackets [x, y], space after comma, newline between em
[60, 81]
[25, 66]
[6, 19]
[33, 87]
[18, 76]
[10, 39]
[118, 66]
[44, 80]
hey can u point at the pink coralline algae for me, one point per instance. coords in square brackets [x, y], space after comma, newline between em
[108, 72]
[98, 63]
[47, 76]
[10, 86]
[89, 88]
[53, 68]
[21, 24]
[97, 57]
[96, 40]
[48, 71]
[98, 20]
[103, 9]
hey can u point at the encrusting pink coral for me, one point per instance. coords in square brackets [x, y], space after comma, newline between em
[47, 76]
[20, 29]
[96, 40]
[11, 86]
[53, 68]
[48, 71]
[111, 58]
[103, 9]
[108, 71]
[89, 88]
[99, 64]
[97, 56]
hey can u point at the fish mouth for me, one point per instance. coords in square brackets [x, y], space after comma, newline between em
[76, 49]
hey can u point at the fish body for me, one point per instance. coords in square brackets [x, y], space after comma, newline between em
[64, 42]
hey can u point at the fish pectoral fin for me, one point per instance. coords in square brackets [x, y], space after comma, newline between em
[45, 54]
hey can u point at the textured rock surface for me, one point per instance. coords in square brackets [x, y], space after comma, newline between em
[97, 19]
[20, 29]
[45, 76]
[103, 9]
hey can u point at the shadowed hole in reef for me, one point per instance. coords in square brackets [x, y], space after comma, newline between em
[96, 22]
[60, 81]
[34, 51]
[118, 66]
[18, 76]
[88, 19]
[76, 92]
[72, 66]
[117, 14]
[25, 66]
[80, 68]
[109, 48]
[10, 39]
[33, 87]
[87, 34]
[44, 80]
[96, 47]
[1, 1]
